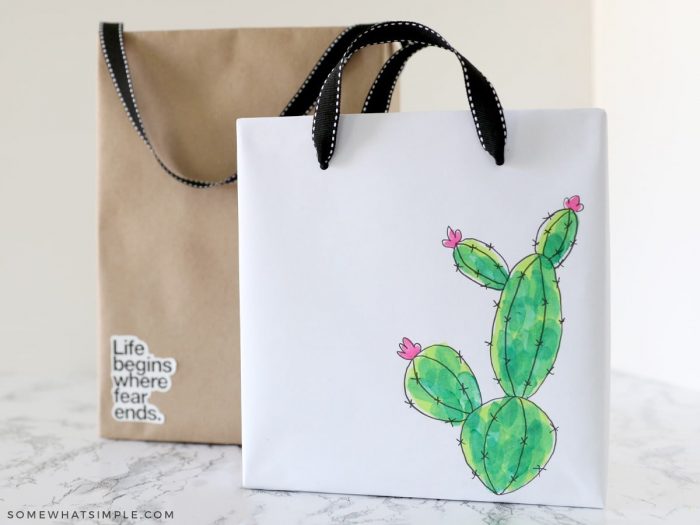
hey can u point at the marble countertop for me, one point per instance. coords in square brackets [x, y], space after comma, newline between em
[51, 460]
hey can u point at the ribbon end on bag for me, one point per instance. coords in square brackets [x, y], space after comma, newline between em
[500, 158]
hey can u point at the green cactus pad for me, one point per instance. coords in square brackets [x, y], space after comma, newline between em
[481, 263]
[557, 235]
[527, 328]
[507, 442]
[440, 384]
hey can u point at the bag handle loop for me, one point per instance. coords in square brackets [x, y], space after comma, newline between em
[483, 101]
[114, 53]
[382, 91]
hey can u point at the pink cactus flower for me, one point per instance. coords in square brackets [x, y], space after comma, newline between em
[573, 203]
[453, 238]
[409, 349]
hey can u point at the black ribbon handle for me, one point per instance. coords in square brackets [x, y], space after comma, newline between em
[114, 52]
[483, 100]
[380, 94]
[305, 98]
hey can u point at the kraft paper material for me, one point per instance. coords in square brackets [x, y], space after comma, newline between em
[168, 253]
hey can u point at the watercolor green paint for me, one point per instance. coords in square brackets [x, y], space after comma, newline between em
[506, 442]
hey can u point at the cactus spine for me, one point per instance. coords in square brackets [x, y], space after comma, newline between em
[505, 441]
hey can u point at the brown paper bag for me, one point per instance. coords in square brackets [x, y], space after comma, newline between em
[168, 262]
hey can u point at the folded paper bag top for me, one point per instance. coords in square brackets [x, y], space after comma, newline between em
[168, 252]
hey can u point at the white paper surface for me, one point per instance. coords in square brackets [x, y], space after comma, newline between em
[337, 266]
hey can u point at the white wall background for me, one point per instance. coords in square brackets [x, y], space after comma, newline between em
[539, 53]
[647, 77]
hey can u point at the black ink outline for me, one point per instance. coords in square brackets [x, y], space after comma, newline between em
[507, 319]
[561, 246]
[475, 247]
[412, 403]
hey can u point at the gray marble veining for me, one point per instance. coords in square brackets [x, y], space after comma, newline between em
[51, 459]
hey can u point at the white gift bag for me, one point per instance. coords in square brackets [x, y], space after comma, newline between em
[489, 281]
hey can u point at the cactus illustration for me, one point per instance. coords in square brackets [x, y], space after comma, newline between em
[527, 328]
[439, 383]
[507, 441]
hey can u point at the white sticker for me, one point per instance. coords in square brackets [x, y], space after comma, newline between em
[136, 373]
